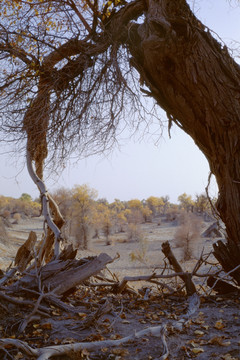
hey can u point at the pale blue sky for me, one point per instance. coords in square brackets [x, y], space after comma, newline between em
[140, 168]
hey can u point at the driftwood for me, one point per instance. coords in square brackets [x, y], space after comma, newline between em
[51, 351]
[61, 276]
[186, 277]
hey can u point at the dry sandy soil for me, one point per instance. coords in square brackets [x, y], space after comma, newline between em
[213, 333]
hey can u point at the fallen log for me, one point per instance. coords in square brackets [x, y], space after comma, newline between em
[61, 276]
[76, 276]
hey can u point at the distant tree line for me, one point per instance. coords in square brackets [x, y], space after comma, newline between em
[16, 209]
[87, 216]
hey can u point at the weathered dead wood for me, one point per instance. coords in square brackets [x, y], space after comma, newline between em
[68, 253]
[158, 331]
[25, 252]
[186, 277]
[61, 276]
[62, 305]
[74, 277]
[8, 275]
[93, 318]
[220, 286]
[228, 258]
[45, 205]
[51, 351]
[32, 317]
[122, 285]
[21, 302]
[212, 231]
[193, 306]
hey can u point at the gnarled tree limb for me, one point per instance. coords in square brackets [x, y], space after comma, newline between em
[45, 204]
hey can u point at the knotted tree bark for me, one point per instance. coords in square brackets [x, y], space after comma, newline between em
[195, 80]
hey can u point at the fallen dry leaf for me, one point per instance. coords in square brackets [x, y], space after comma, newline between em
[18, 356]
[198, 332]
[47, 326]
[219, 340]
[219, 325]
[228, 357]
[82, 315]
[193, 343]
[121, 352]
[197, 350]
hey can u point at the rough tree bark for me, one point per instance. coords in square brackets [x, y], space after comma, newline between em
[195, 80]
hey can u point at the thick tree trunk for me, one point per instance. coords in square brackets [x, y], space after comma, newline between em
[195, 80]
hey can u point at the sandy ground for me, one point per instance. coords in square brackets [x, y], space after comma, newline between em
[148, 250]
[214, 333]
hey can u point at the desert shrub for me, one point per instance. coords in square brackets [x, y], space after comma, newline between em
[6, 214]
[140, 254]
[135, 216]
[172, 214]
[17, 218]
[187, 234]
[134, 232]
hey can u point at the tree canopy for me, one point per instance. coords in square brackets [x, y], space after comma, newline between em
[66, 80]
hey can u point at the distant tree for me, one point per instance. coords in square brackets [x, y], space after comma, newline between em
[103, 219]
[187, 234]
[135, 215]
[186, 202]
[202, 204]
[107, 225]
[63, 197]
[147, 213]
[166, 203]
[135, 204]
[121, 219]
[83, 206]
[25, 197]
[155, 204]
[172, 212]
[117, 205]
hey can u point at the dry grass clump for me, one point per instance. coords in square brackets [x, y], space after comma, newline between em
[140, 254]
[17, 218]
[188, 234]
[134, 233]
